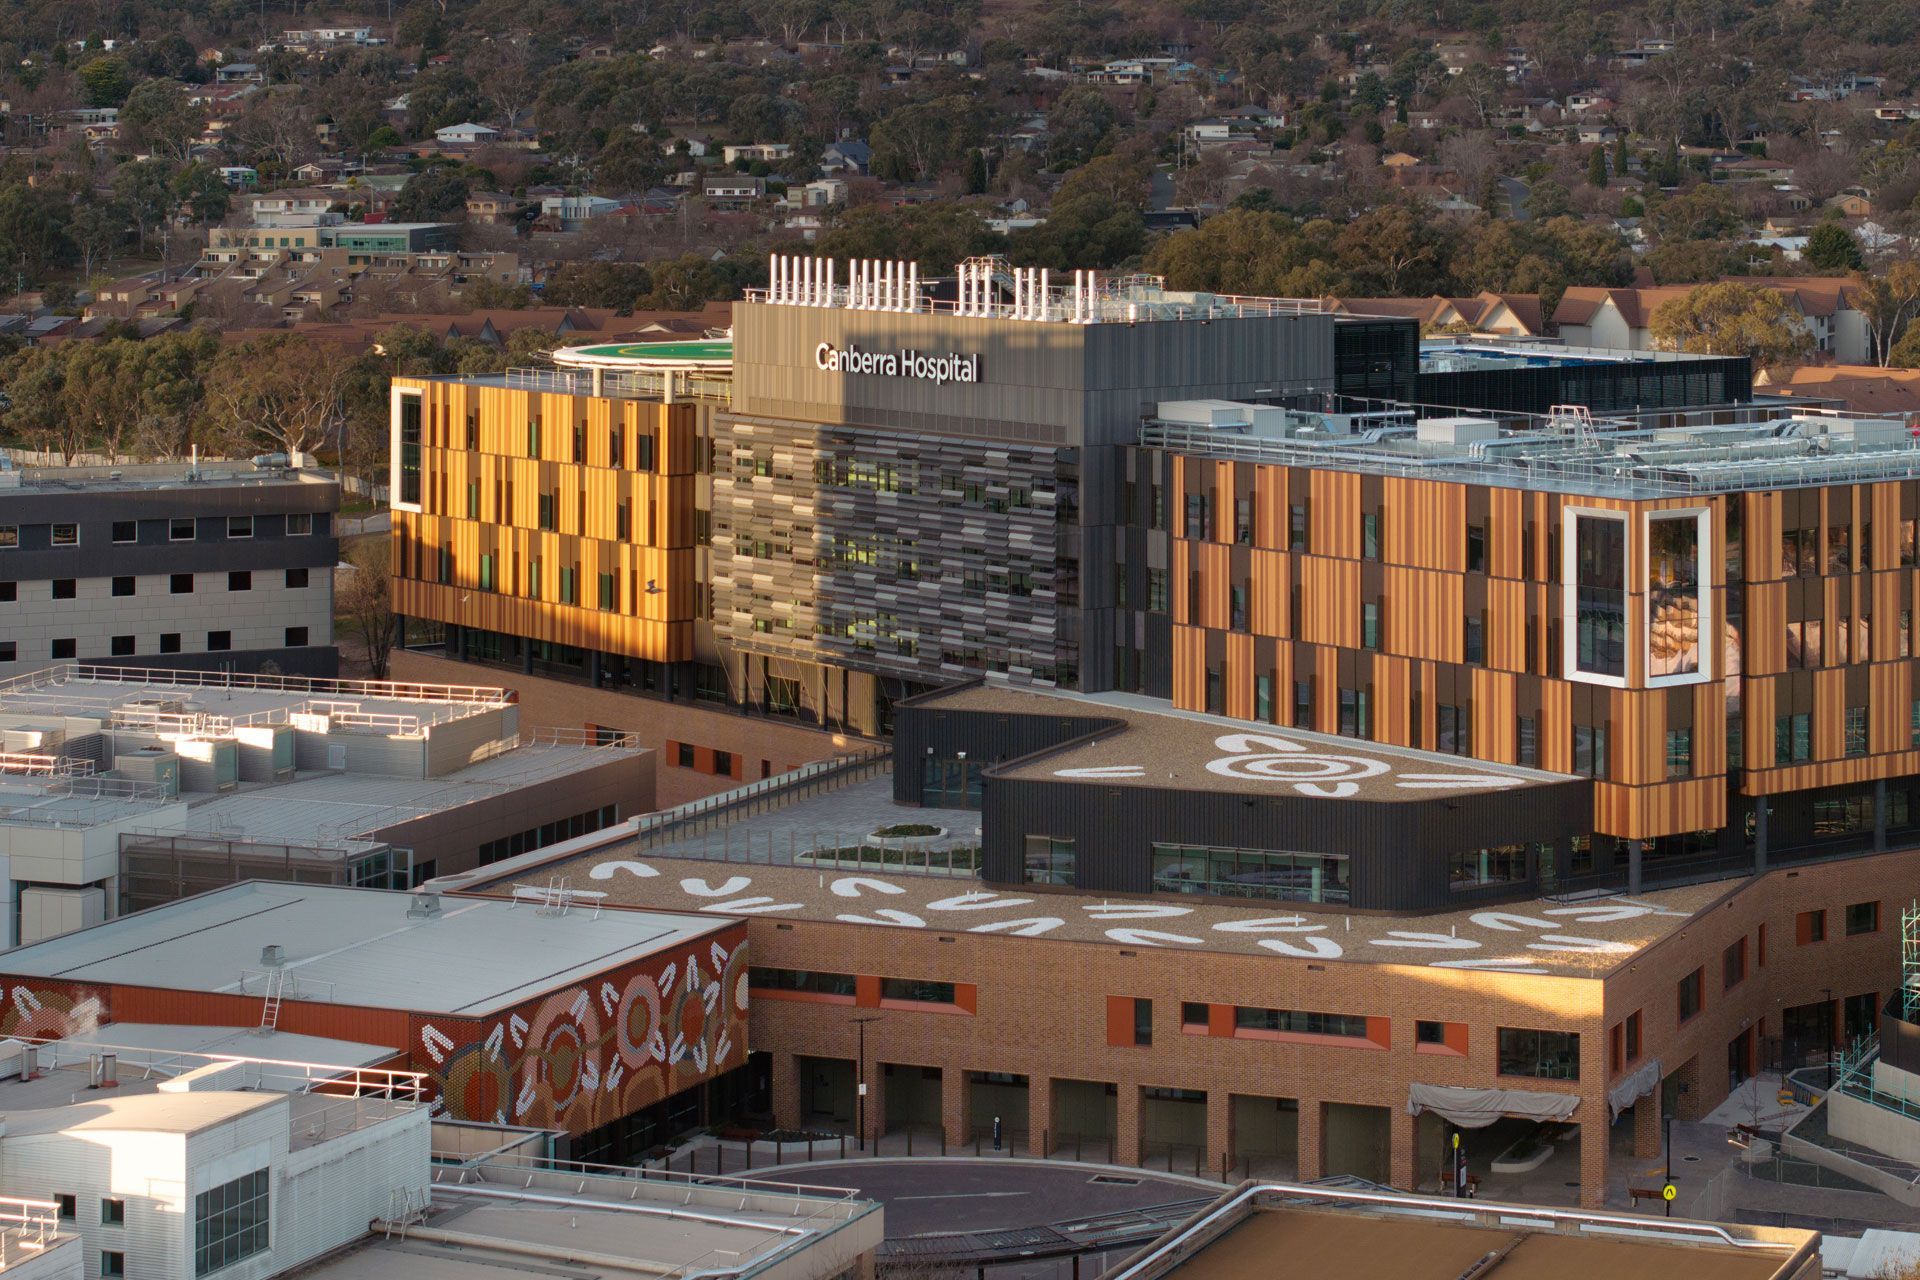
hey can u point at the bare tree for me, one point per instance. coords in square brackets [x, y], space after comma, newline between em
[365, 597]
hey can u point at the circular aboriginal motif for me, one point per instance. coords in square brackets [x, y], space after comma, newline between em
[639, 1020]
[733, 983]
[564, 1055]
[1288, 767]
[476, 1086]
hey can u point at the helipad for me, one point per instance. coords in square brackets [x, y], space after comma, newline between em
[715, 355]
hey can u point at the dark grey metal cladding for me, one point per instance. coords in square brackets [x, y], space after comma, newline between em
[987, 586]
[34, 511]
[1041, 383]
[990, 738]
[1397, 850]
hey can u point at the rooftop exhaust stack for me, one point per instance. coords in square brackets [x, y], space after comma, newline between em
[273, 955]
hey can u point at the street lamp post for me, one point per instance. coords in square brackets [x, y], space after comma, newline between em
[1828, 993]
[860, 1075]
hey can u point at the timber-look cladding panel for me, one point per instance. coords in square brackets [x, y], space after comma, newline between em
[1813, 633]
[489, 457]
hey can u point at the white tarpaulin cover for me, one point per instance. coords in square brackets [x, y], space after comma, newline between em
[1478, 1108]
[1643, 1080]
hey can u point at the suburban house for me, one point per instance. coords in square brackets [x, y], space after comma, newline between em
[1621, 318]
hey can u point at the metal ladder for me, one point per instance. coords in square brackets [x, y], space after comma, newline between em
[270, 1010]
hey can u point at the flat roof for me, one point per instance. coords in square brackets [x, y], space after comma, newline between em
[1365, 1246]
[1587, 938]
[222, 701]
[488, 1221]
[188, 1111]
[1154, 745]
[133, 476]
[473, 957]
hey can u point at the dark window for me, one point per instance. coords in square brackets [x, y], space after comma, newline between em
[69, 1207]
[10, 592]
[123, 586]
[1049, 860]
[916, 989]
[1863, 917]
[1541, 1055]
[1299, 1022]
[299, 525]
[1856, 731]
[239, 526]
[180, 529]
[1193, 1014]
[684, 757]
[230, 1222]
[1692, 994]
[723, 763]
[113, 1212]
[1813, 926]
[9, 651]
[219, 641]
[125, 531]
[1370, 537]
[296, 637]
[410, 449]
[1633, 1036]
[61, 649]
[1142, 1021]
[113, 1262]
[1429, 1032]
[123, 646]
[1600, 553]
[1527, 742]
[240, 580]
[181, 584]
[1369, 625]
[1733, 965]
[170, 642]
[1501, 864]
[1679, 753]
[296, 578]
[65, 588]
[1297, 528]
[1474, 643]
[808, 980]
[1476, 548]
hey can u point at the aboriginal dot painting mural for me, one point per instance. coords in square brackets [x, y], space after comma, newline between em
[588, 1054]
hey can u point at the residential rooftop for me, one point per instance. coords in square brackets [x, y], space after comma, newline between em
[370, 948]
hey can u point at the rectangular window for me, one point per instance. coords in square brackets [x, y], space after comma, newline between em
[1429, 1032]
[1501, 864]
[239, 526]
[1370, 625]
[1733, 965]
[297, 579]
[1600, 596]
[113, 1213]
[1863, 917]
[170, 642]
[9, 651]
[1263, 698]
[61, 649]
[1527, 742]
[1810, 926]
[296, 637]
[113, 1262]
[1297, 528]
[1633, 1036]
[1539, 1055]
[1370, 537]
[69, 1207]
[1299, 1022]
[123, 586]
[607, 600]
[10, 593]
[219, 641]
[65, 588]
[66, 535]
[1473, 642]
[1156, 590]
[410, 441]
[1303, 704]
[916, 990]
[240, 580]
[1792, 739]
[1250, 873]
[1675, 599]
[1692, 994]
[1856, 731]
[9, 537]
[125, 531]
[299, 524]
[810, 981]
[1476, 548]
[230, 1222]
[1142, 1021]
[1679, 753]
[123, 646]
[1049, 860]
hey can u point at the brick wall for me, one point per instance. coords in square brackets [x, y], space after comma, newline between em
[544, 702]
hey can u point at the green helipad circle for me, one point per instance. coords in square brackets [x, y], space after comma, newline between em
[712, 354]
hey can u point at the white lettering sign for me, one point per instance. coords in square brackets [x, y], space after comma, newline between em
[896, 364]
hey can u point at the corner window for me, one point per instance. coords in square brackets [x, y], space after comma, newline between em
[230, 1222]
[1677, 602]
[1597, 585]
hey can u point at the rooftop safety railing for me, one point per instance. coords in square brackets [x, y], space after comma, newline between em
[624, 384]
[276, 1074]
[395, 690]
[27, 1229]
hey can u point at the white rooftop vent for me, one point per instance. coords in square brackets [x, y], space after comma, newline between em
[1457, 431]
[273, 955]
[1876, 433]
